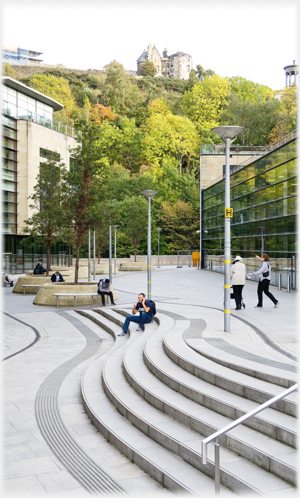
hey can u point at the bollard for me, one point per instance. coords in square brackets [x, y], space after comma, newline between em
[279, 281]
[288, 285]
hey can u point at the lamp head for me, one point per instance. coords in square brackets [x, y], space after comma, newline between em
[116, 226]
[228, 131]
[149, 193]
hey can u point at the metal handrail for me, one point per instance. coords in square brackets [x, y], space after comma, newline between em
[230, 426]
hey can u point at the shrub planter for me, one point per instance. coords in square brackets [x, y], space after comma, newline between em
[45, 296]
[30, 280]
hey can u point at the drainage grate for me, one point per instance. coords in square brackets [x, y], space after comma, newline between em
[228, 348]
[70, 454]
[196, 329]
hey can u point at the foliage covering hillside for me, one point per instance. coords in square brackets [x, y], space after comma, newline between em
[147, 133]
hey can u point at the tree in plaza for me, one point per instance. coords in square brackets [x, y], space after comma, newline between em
[85, 181]
[49, 219]
[179, 223]
[134, 219]
[204, 103]
[147, 68]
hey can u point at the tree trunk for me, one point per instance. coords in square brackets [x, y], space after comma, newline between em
[77, 263]
[135, 251]
[69, 264]
[48, 260]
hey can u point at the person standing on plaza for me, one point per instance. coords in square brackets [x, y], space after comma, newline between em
[144, 308]
[264, 272]
[238, 275]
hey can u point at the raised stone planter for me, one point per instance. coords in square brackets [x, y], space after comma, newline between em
[30, 280]
[45, 296]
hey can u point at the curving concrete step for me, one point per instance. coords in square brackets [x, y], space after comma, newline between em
[270, 422]
[232, 381]
[274, 371]
[166, 467]
[130, 407]
[236, 472]
[244, 441]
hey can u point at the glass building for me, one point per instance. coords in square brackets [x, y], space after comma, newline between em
[29, 135]
[263, 195]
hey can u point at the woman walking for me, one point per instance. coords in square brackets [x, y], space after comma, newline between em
[264, 272]
[237, 275]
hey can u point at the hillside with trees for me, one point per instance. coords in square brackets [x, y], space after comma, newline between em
[146, 133]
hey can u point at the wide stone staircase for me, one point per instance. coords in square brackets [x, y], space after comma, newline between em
[156, 395]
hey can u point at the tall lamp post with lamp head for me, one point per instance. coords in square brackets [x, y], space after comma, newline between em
[149, 194]
[228, 135]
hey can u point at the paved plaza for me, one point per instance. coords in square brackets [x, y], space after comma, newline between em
[49, 444]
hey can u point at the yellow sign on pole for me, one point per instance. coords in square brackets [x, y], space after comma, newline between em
[228, 212]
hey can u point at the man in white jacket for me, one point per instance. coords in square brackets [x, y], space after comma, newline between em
[238, 275]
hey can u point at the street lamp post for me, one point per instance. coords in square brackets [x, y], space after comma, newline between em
[228, 135]
[115, 227]
[158, 229]
[110, 256]
[149, 194]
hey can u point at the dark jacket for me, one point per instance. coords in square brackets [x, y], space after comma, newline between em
[39, 270]
[53, 278]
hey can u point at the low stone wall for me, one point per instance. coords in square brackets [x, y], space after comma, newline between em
[45, 296]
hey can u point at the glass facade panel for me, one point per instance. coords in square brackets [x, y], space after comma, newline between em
[263, 196]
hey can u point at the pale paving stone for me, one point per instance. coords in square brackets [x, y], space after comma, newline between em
[58, 481]
[23, 486]
[28, 467]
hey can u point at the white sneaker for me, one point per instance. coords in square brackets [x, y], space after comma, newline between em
[277, 304]
[122, 333]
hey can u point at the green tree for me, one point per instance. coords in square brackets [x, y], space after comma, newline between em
[205, 103]
[258, 118]
[85, 181]
[55, 87]
[120, 93]
[202, 74]
[134, 215]
[49, 219]
[8, 70]
[287, 115]
[166, 135]
[147, 68]
[248, 90]
[180, 223]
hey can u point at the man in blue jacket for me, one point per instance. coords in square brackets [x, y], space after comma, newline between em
[142, 313]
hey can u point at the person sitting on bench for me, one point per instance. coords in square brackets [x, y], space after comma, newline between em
[57, 277]
[104, 289]
[145, 314]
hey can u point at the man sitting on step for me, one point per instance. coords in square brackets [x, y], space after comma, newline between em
[141, 313]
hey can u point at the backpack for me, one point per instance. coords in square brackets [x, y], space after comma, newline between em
[153, 307]
[100, 282]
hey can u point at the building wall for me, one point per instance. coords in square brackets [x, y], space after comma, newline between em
[32, 137]
[264, 200]
[211, 166]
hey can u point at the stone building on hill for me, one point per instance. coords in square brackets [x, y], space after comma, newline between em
[177, 65]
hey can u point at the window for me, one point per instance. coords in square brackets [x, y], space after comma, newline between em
[49, 154]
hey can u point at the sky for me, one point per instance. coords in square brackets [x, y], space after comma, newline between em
[254, 39]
